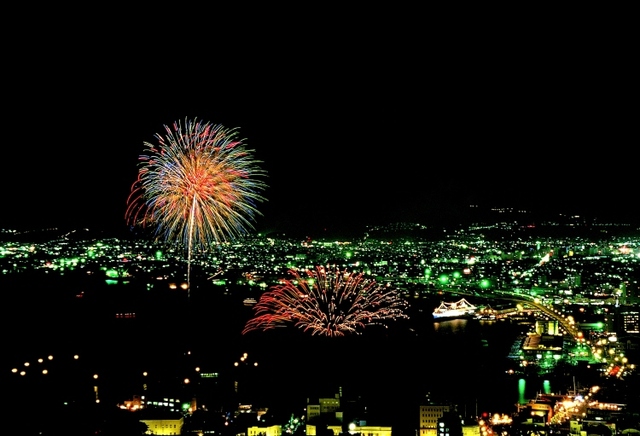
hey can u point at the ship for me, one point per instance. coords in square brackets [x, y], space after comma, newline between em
[457, 309]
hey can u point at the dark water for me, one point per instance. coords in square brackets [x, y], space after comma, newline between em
[391, 371]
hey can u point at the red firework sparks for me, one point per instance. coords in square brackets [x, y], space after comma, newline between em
[327, 301]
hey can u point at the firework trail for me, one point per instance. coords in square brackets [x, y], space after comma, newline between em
[327, 302]
[198, 186]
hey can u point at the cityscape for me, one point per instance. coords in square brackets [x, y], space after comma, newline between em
[361, 227]
[113, 334]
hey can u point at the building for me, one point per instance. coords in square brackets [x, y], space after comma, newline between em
[325, 406]
[368, 430]
[431, 415]
[166, 424]
[138, 402]
[547, 327]
[629, 321]
[541, 351]
[542, 408]
[471, 430]
[338, 416]
[449, 424]
[272, 430]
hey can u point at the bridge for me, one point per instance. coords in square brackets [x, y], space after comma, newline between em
[526, 300]
[568, 326]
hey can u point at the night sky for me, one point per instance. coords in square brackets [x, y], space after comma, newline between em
[351, 133]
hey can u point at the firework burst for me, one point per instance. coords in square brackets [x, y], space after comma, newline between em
[327, 302]
[198, 186]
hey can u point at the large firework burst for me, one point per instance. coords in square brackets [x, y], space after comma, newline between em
[328, 302]
[199, 185]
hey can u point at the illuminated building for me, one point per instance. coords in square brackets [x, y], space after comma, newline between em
[272, 430]
[541, 351]
[547, 327]
[165, 424]
[539, 343]
[368, 430]
[171, 404]
[471, 430]
[325, 406]
[449, 424]
[538, 413]
[544, 406]
[430, 416]
[332, 408]
[630, 321]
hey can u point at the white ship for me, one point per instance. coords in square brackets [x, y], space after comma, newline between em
[458, 309]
